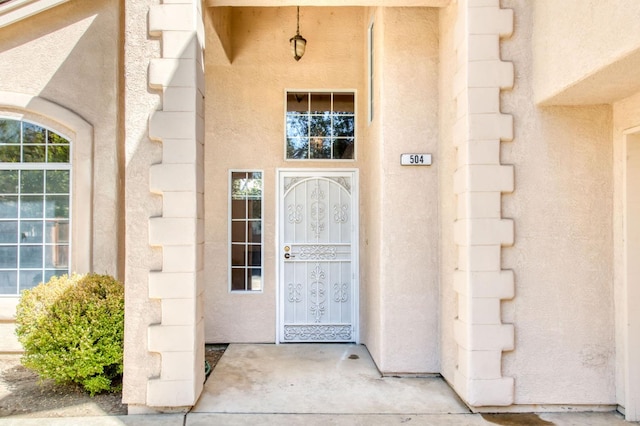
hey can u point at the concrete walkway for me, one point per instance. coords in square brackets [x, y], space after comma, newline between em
[322, 384]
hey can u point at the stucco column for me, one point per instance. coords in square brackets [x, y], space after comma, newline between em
[480, 179]
[164, 121]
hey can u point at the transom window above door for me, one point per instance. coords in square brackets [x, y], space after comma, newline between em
[320, 126]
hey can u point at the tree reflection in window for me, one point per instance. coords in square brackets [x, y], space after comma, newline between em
[35, 189]
[24, 142]
[320, 125]
[246, 231]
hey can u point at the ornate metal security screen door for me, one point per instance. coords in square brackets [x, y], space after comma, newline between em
[318, 257]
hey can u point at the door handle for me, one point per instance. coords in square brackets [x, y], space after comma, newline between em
[287, 255]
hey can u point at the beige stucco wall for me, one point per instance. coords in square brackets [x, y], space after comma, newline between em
[140, 153]
[567, 203]
[400, 236]
[447, 166]
[562, 206]
[408, 114]
[398, 217]
[371, 201]
[626, 116]
[245, 130]
[68, 56]
[579, 45]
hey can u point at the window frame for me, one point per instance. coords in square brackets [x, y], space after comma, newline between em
[42, 166]
[230, 241]
[63, 121]
[354, 92]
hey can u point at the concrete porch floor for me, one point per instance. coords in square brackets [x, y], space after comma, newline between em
[339, 384]
[317, 379]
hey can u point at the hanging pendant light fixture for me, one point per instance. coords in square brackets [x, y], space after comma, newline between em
[298, 43]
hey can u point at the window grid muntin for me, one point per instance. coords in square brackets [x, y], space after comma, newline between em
[247, 266]
[44, 272]
[332, 139]
[50, 142]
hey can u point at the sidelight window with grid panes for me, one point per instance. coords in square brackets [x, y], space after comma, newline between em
[35, 176]
[246, 231]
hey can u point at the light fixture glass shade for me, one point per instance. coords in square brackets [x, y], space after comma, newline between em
[298, 45]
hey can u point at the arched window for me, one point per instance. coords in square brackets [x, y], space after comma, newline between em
[35, 205]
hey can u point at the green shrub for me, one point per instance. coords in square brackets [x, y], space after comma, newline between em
[72, 330]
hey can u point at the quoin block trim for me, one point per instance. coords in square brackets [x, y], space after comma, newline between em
[480, 231]
[179, 75]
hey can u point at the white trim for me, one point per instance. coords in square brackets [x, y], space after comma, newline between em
[355, 252]
[17, 10]
[631, 273]
[229, 231]
[370, 68]
[631, 130]
[321, 160]
[8, 308]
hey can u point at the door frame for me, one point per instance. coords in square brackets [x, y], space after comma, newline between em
[631, 294]
[281, 173]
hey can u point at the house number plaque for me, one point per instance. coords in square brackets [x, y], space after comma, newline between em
[415, 159]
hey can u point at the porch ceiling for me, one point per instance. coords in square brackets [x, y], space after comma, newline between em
[333, 3]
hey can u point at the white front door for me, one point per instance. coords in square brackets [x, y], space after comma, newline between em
[317, 243]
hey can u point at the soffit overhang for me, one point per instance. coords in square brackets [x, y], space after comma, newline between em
[606, 85]
[16, 10]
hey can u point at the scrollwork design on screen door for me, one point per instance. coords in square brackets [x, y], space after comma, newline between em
[318, 332]
[340, 213]
[317, 210]
[295, 213]
[317, 293]
[317, 252]
[344, 182]
[289, 182]
[318, 302]
[340, 292]
[295, 293]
